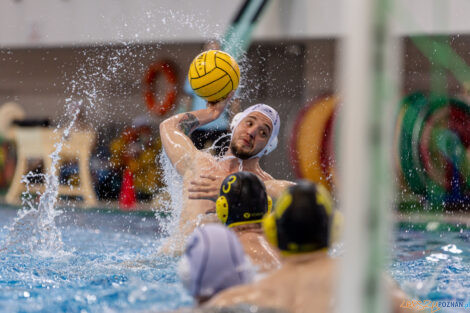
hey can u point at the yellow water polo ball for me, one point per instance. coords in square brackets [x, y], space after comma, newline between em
[213, 74]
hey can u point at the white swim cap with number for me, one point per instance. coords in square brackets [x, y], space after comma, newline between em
[270, 113]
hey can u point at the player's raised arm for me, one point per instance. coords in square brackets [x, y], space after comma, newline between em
[175, 132]
[213, 75]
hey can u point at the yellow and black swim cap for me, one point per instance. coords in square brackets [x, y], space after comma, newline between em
[242, 199]
[301, 219]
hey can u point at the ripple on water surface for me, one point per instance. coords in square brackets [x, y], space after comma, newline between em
[108, 264]
[433, 265]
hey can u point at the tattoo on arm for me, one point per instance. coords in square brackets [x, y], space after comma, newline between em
[188, 123]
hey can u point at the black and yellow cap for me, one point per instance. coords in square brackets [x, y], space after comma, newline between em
[242, 199]
[301, 219]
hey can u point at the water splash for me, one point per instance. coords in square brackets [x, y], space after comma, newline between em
[218, 145]
[102, 72]
[34, 229]
[173, 187]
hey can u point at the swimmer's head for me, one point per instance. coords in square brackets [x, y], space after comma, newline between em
[254, 132]
[301, 219]
[213, 261]
[242, 200]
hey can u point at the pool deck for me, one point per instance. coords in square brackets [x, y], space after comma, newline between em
[461, 219]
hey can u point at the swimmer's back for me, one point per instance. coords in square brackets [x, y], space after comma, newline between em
[297, 287]
[260, 252]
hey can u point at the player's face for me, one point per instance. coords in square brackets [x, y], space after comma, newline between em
[251, 135]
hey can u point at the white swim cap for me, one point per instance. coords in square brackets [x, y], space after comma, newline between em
[213, 261]
[270, 113]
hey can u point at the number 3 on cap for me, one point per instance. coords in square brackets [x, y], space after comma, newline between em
[226, 187]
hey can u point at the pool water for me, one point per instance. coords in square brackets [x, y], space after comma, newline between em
[108, 263]
[432, 262]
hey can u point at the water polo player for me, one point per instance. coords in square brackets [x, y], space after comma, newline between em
[254, 134]
[241, 205]
[301, 227]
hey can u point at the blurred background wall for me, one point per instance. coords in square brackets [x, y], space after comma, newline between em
[51, 48]
[84, 22]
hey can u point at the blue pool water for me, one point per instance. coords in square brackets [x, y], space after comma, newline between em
[108, 263]
[432, 262]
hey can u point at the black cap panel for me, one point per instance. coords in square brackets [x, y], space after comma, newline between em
[304, 224]
[246, 197]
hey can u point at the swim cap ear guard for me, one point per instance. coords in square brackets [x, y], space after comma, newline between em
[243, 200]
[300, 221]
[270, 113]
[221, 207]
[269, 221]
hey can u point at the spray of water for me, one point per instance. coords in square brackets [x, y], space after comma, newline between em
[88, 89]
[34, 228]
[173, 186]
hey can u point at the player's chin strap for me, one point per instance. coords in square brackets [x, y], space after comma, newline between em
[269, 113]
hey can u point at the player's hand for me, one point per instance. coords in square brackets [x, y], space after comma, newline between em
[218, 107]
[205, 187]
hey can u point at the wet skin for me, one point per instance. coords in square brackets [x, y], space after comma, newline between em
[257, 247]
[203, 173]
[304, 284]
